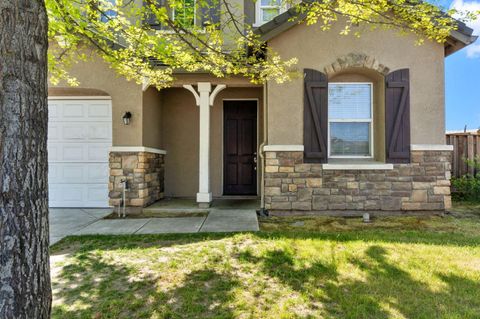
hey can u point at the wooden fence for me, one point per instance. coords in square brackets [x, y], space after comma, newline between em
[466, 146]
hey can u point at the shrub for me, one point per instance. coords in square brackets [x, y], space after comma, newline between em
[467, 187]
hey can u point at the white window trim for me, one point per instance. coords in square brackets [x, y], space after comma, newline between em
[371, 141]
[258, 12]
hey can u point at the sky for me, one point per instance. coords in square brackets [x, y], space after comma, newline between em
[462, 77]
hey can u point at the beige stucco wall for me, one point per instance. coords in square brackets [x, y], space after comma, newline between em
[152, 117]
[180, 127]
[126, 96]
[316, 49]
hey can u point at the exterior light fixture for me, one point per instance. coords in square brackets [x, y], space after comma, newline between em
[126, 118]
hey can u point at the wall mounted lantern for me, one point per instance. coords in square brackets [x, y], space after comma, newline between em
[126, 118]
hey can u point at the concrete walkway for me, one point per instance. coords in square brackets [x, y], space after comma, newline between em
[67, 222]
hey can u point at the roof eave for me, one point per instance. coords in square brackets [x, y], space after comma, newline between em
[457, 41]
[279, 24]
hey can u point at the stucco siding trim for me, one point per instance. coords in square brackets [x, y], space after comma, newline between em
[123, 149]
[431, 147]
[283, 148]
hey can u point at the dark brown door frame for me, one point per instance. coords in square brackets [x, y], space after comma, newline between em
[257, 127]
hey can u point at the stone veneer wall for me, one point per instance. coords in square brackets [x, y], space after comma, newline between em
[422, 185]
[144, 172]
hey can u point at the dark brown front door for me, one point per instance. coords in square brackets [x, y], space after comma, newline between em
[240, 148]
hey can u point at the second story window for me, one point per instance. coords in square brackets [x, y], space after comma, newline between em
[109, 13]
[184, 14]
[266, 10]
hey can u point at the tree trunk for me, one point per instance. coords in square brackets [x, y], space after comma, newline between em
[24, 263]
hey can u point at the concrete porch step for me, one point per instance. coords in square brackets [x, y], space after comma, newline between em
[179, 206]
[172, 212]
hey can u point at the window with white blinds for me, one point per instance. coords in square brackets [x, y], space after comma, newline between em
[350, 120]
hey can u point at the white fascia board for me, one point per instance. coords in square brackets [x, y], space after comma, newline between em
[127, 149]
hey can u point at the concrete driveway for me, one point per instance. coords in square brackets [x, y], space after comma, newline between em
[73, 221]
[67, 221]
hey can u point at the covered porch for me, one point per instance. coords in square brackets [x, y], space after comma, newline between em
[206, 134]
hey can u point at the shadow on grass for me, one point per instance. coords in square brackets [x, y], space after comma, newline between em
[103, 290]
[385, 292]
[389, 287]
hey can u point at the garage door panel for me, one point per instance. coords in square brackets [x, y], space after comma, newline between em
[53, 112]
[98, 152]
[65, 173]
[73, 193]
[80, 111]
[73, 152]
[73, 110]
[78, 152]
[100, 110]
[80, 135]
[80, 173]
[53, 152]
[100, 132]
[74, 173]
[53, 173]
[97, 173]
[74, 132]
[53, 132]
[97, 193]
[79, 195]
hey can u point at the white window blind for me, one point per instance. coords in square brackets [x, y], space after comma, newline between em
[349, 101]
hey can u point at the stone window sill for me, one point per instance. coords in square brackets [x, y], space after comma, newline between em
[356, 164]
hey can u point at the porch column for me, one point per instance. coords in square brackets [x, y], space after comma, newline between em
[204, 100]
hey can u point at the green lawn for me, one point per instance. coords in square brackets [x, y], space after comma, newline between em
[295, 268]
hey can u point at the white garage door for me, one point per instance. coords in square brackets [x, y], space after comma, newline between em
[79, 138]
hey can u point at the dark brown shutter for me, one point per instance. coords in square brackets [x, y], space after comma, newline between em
[150, 18]
[397, 116]
[315, 116]
[210, 12]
